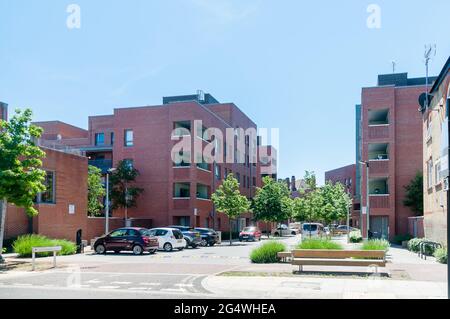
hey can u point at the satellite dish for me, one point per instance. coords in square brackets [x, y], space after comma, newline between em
[423, 101]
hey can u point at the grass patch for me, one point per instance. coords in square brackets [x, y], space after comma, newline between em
[23, 245]
[376, 244]
[267, 252]
[319, 243]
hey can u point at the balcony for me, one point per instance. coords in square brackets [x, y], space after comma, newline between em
[379, 132]
[203, 192]
[378, 121]
[380, 201]
[103, 164]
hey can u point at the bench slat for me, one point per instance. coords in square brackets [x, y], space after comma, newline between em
[337, 262]
[284, 254]
[338, 254]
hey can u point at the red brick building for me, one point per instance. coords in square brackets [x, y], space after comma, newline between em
[145, 136]
[3, 111]
[347, 177]
[391, 143]
[63, 206]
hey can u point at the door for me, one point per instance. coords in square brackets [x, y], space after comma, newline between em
[132, 237]
[379, 226]
[117, 240]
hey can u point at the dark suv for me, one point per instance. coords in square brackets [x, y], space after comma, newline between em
[127, 239]
[191, 236]
[208, 235]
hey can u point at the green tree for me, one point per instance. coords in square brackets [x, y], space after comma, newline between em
[229, 201]
[96, 191]
[272, 202]
[414, 195]
[310, 180]
[123, 193]
[335, 202]
[21, 178]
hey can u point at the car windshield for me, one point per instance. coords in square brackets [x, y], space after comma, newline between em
[309, 227]
[249, 229]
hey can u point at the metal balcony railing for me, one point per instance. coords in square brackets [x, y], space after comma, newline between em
[103, 164]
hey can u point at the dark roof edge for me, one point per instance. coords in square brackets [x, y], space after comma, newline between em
[441, 75]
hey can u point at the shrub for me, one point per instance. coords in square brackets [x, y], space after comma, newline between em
[441, 255]
[355, 236]
[376, 244]
[414, 246]
[399, 239]
[23, 245]
[319, 243]
[267, 252]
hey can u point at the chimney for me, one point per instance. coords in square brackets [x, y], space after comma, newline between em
[288, 183]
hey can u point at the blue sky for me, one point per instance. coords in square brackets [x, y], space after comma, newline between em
[294, 65]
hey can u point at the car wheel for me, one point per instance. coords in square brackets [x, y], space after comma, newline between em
[167, 247]
[137, 250]
[100, 249]
[203, 243]
[293, 233]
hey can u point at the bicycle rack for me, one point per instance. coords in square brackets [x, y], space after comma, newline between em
[424, 244]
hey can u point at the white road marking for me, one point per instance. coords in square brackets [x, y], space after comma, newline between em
[174, 290]
[21, 284]
[150, 284]
[139, 288]
[94, 281]
[109, 287]
[184, 285]
[121, 282]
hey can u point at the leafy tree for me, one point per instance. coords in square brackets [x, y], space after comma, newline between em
[96, 191]
[272, 202]
[123, 194]
[228, 200]
[335, 203]
[307, 208]
[414, 195]
[21, 178]
[310, 180]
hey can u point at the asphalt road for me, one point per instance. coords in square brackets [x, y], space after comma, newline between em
[164, 275]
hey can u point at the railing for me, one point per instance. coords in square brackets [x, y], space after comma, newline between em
[379, 167]
[103, 164]
[56, 145]
[379, 131]
[379, 201]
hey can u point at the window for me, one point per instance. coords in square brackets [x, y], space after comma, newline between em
[437, 170]
[254, 181]
[238, 177]
[161, 232]
[48, 197]
[112, 138]
[182, 128]
[100, 139]
[132, 233]
[218, 172]
[202, 191]
[128, 136]
[181, 190]
[430, 173]
[119, 233]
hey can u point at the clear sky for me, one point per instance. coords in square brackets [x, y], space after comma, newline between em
[294, 65]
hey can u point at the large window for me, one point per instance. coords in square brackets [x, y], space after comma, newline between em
[181, 190]
[112, 138]
[100, 139]
[129, 138]
[48, 196]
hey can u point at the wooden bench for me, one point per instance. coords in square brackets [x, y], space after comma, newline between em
[358, 258]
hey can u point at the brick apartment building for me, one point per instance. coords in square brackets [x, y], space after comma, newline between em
[347, 177]
[435, 157]
[63, 206]
[390, 137]
[145, 136]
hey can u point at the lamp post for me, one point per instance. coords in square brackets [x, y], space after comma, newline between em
[107, 200]
[348, 212]
[366, 163]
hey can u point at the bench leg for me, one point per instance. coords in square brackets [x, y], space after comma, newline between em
[300, 268]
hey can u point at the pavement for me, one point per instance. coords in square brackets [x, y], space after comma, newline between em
[217, 272]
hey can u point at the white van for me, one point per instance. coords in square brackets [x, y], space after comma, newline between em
[312, 230]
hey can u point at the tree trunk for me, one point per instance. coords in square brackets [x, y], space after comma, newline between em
[231, 233]
[3, 204]
[267, 229]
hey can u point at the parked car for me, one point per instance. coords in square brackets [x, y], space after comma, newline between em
[132, 239]
[312, 230]
[343, 229]
[284, 230]
[250, 233]
[192, 237]
[327, 231]
[168, 238]
[208, 235]
[296, 226]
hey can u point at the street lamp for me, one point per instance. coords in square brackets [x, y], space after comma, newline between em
[111, 170]
[366, 163]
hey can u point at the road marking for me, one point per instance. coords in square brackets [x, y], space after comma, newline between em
[109, 287]
[184, 285]
[121, 282]
[174, 289]
[93, 281]
[22, 284]
[139, 288]
[150, 284]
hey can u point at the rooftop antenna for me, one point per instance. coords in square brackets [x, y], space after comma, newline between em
[394, 64]
[430, 52]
